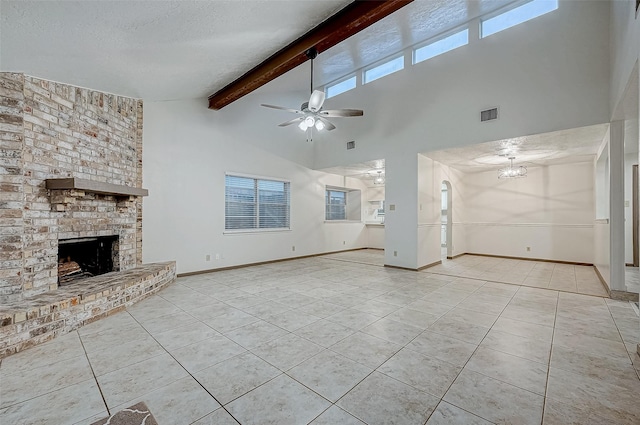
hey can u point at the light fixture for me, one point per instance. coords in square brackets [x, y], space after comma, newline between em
[303, 125]
[319, 125]
[511, 171]
[309, 121]
[378, 176]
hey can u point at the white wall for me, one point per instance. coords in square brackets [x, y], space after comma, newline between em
[548, 74]
[624, 45]
[551, 211]
[186, 155]
[431, 174]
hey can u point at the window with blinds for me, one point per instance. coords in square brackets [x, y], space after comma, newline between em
[256, 203]
[336, 205]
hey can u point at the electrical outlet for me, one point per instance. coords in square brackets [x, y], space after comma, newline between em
[344, 242]
[528, 248]
[293, 248]
[392, 207]
[395, 253]
[208, 258]
[217, 256]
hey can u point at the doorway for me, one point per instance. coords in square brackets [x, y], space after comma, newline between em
[446, 221]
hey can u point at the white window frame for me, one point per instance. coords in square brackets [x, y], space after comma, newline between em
[257, 228]
[340, 81]
[327, 203]
[510, 9]
[437, 40]
[381, 64]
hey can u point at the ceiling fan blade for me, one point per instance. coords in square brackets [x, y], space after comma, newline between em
[342, 113]
[327, 124]
[295, 111]
[316, 100]
[293, 121]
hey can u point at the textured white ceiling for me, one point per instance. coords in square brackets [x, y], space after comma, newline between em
[181, 49]
[156, 50]
[574, 145]
[364, 170]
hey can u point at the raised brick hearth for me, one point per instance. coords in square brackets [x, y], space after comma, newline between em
[25, 323]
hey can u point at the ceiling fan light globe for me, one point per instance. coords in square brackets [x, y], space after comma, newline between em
[319, 125]
[309, 121]
[303, 126]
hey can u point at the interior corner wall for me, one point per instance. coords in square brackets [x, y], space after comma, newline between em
[431, 174]
[601, 231]
[551, 212]
[187, 151]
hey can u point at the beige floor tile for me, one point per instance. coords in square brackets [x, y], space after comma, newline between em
[30, 383]
[380, 399]
[291, 320]
[585, 393]
[207, 352]
[525, 314]
[287, 351]
[606, 369]
[519, 346]
[133, 381]
[185, 335]
[366, 349]
[522, 373]
[391, 330]
[377, 308]
[463, 331]
[353, 318]
[427, 374]
[448, 414]
[67, 405]
[429, 307]
[322, 309]
[324, 332]
[443, 347]
[591, 345]
[219, 417]
[494, 400]
[179, 403]
[123, 355]
[524, 329]
[335, 415]
[254, 334]
[168, 322]
[296, 404]
[472, 317]
[556, 413]
[236, 376]
[329, 374]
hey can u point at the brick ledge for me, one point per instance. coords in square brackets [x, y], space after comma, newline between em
[37, 319]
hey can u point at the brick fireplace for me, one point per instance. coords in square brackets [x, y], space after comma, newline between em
[49, 132]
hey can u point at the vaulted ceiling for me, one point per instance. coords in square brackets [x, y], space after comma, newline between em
[181, 49]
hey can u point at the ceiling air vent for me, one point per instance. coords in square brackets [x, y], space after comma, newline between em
[489, 114]
[351, 145]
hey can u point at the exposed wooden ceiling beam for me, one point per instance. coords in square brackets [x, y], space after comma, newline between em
[350, 20]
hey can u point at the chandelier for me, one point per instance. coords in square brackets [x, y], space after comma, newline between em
[511, 171]
[378, 176]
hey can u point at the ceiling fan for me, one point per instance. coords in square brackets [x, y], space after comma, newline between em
[311, 114]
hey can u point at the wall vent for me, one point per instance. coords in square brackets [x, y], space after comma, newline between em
[489, 114]
[351, 145]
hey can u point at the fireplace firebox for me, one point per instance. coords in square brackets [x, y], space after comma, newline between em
[85, 257]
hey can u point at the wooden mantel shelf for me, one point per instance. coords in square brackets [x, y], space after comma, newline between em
[95, 187]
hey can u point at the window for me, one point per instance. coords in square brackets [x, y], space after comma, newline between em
[256, 203]
[341, 87]
[336, 201]
[516, 16]
[384, 69]
[441, 46]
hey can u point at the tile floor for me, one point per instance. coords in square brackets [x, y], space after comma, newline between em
[327, 341]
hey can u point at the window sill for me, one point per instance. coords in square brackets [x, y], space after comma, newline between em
[254, 231]
[343, 221]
